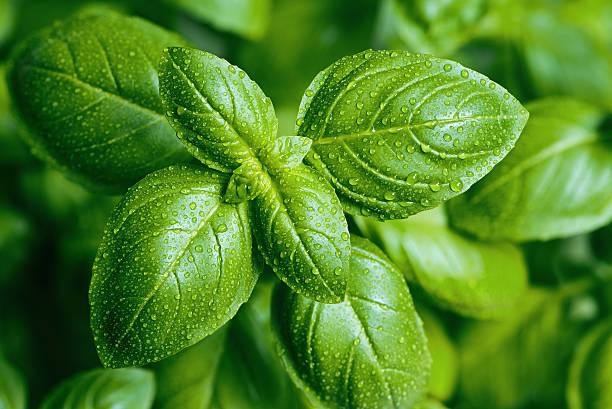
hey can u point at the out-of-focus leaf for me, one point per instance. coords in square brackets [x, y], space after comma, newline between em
[13, 150]
[467, 276]
[88, 89]
[7, 19]
[250, 374]
[235, 368]
[366, 352]
[522, 360]
[565, 59]
[15, 238]
[555, 182]
[187, 380]
[602, 243]
[310, 34]
[12, 387]
[104, 388]
[435, 27]
[247, 18]
[444, 359]
[398, 133]
[429, 404]
[590, 374]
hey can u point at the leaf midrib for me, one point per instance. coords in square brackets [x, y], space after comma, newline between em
[164, 276]
[108, 94]
[532, 161]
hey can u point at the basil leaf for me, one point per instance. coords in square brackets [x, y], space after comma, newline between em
[437, 27]
[298, 220]
[247, 18]
[469, 277]
[522, 359]
[88, 89]
[591, 370]
[554, 184]
[234, 368]
[444, 359]
[12, 387]
[397, 133]
[429, 404]
[554, 48]
[104, 388]
[174, 266]
[250, 375]
[286, 152]
[300, 229]
[367, 352]
[219, 113]
[187, 379]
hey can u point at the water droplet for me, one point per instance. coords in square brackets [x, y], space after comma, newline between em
[456, 185]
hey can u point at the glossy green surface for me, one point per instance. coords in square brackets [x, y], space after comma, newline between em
[174, 266]
[301, 231]
[470, 277]
[367, 352]
[555, 183]
[88, 89]
[12, 387]
[227, 122]
[590, 375]
[521, 360]
[247, 18]
[104, 389]
[187, 379]
[437, 27]
[444, 357]
[235, 368]
[397, 133]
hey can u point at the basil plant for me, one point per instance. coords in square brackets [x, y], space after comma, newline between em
[216, 203]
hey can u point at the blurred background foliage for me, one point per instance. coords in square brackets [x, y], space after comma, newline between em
[50, 227]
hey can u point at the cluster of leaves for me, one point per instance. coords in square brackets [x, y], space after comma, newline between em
[408, 236]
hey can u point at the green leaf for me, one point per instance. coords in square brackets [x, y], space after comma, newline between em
[220, 114]
[286, 152]
[7, 19]
[104, 388]
[15, 238]
[437, 27]
[555, 183]
[298, 220]
[234, 368]
[247, 18]
[522, 359]
[444, 359]
[88, 89]
[590, 374]
[367, 352]
[397, 133]
[187, 380]
[563, 58]
[174, 266]
[12, 387]
[469, 277]
[301, 231]
[429, 404]
[251, 375]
